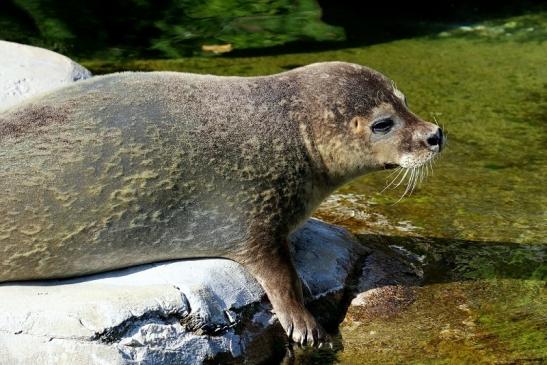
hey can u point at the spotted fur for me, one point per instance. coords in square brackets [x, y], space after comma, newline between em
[131, 168]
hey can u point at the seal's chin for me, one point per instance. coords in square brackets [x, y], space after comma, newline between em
[389, 166]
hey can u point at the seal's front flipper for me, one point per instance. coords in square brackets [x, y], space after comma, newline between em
[273, 269]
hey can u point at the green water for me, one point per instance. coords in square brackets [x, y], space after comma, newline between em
[479, 221]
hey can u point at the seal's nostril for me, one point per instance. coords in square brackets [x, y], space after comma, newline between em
[436, 139]
[433, 140]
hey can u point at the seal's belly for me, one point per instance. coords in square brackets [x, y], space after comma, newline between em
[58, 233]
[83, 199]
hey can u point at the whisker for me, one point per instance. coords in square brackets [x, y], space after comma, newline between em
[413, 180]
[420, 176]
[407, 187]
[394, 179]
[423, 174]
[417, 180]
[402, 179]
[394, 171]
[410, 180]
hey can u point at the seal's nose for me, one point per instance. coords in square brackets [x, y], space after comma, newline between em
[436, 139]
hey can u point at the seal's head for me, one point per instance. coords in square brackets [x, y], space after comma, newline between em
[361, 123]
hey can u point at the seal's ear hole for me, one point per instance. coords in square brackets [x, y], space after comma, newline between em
[357, 124]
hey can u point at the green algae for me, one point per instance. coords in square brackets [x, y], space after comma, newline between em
[479, 222]
[450, 323]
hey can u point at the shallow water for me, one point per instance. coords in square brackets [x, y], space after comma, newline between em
[478, 224]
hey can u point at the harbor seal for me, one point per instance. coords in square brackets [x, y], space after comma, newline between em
[132, 168]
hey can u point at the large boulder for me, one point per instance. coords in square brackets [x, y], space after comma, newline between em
[179, 312]
[27, 70]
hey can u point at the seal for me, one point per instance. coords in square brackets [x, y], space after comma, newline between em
[132, 168]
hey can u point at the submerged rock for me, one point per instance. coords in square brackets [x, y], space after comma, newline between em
[26, 71]
[385, 284]
[182, 312]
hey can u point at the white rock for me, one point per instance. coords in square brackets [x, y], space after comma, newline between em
[27, 70]
[180, 312]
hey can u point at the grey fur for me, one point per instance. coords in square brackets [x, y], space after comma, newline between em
[131, 168]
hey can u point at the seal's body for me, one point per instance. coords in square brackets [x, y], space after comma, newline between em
[133, 168]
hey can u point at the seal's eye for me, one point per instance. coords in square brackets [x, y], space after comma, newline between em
[382, 126]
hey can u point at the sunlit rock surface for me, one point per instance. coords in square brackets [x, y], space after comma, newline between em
[178, 312]
[27, 70]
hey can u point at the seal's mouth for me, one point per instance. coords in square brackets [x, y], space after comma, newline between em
[389, 166]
